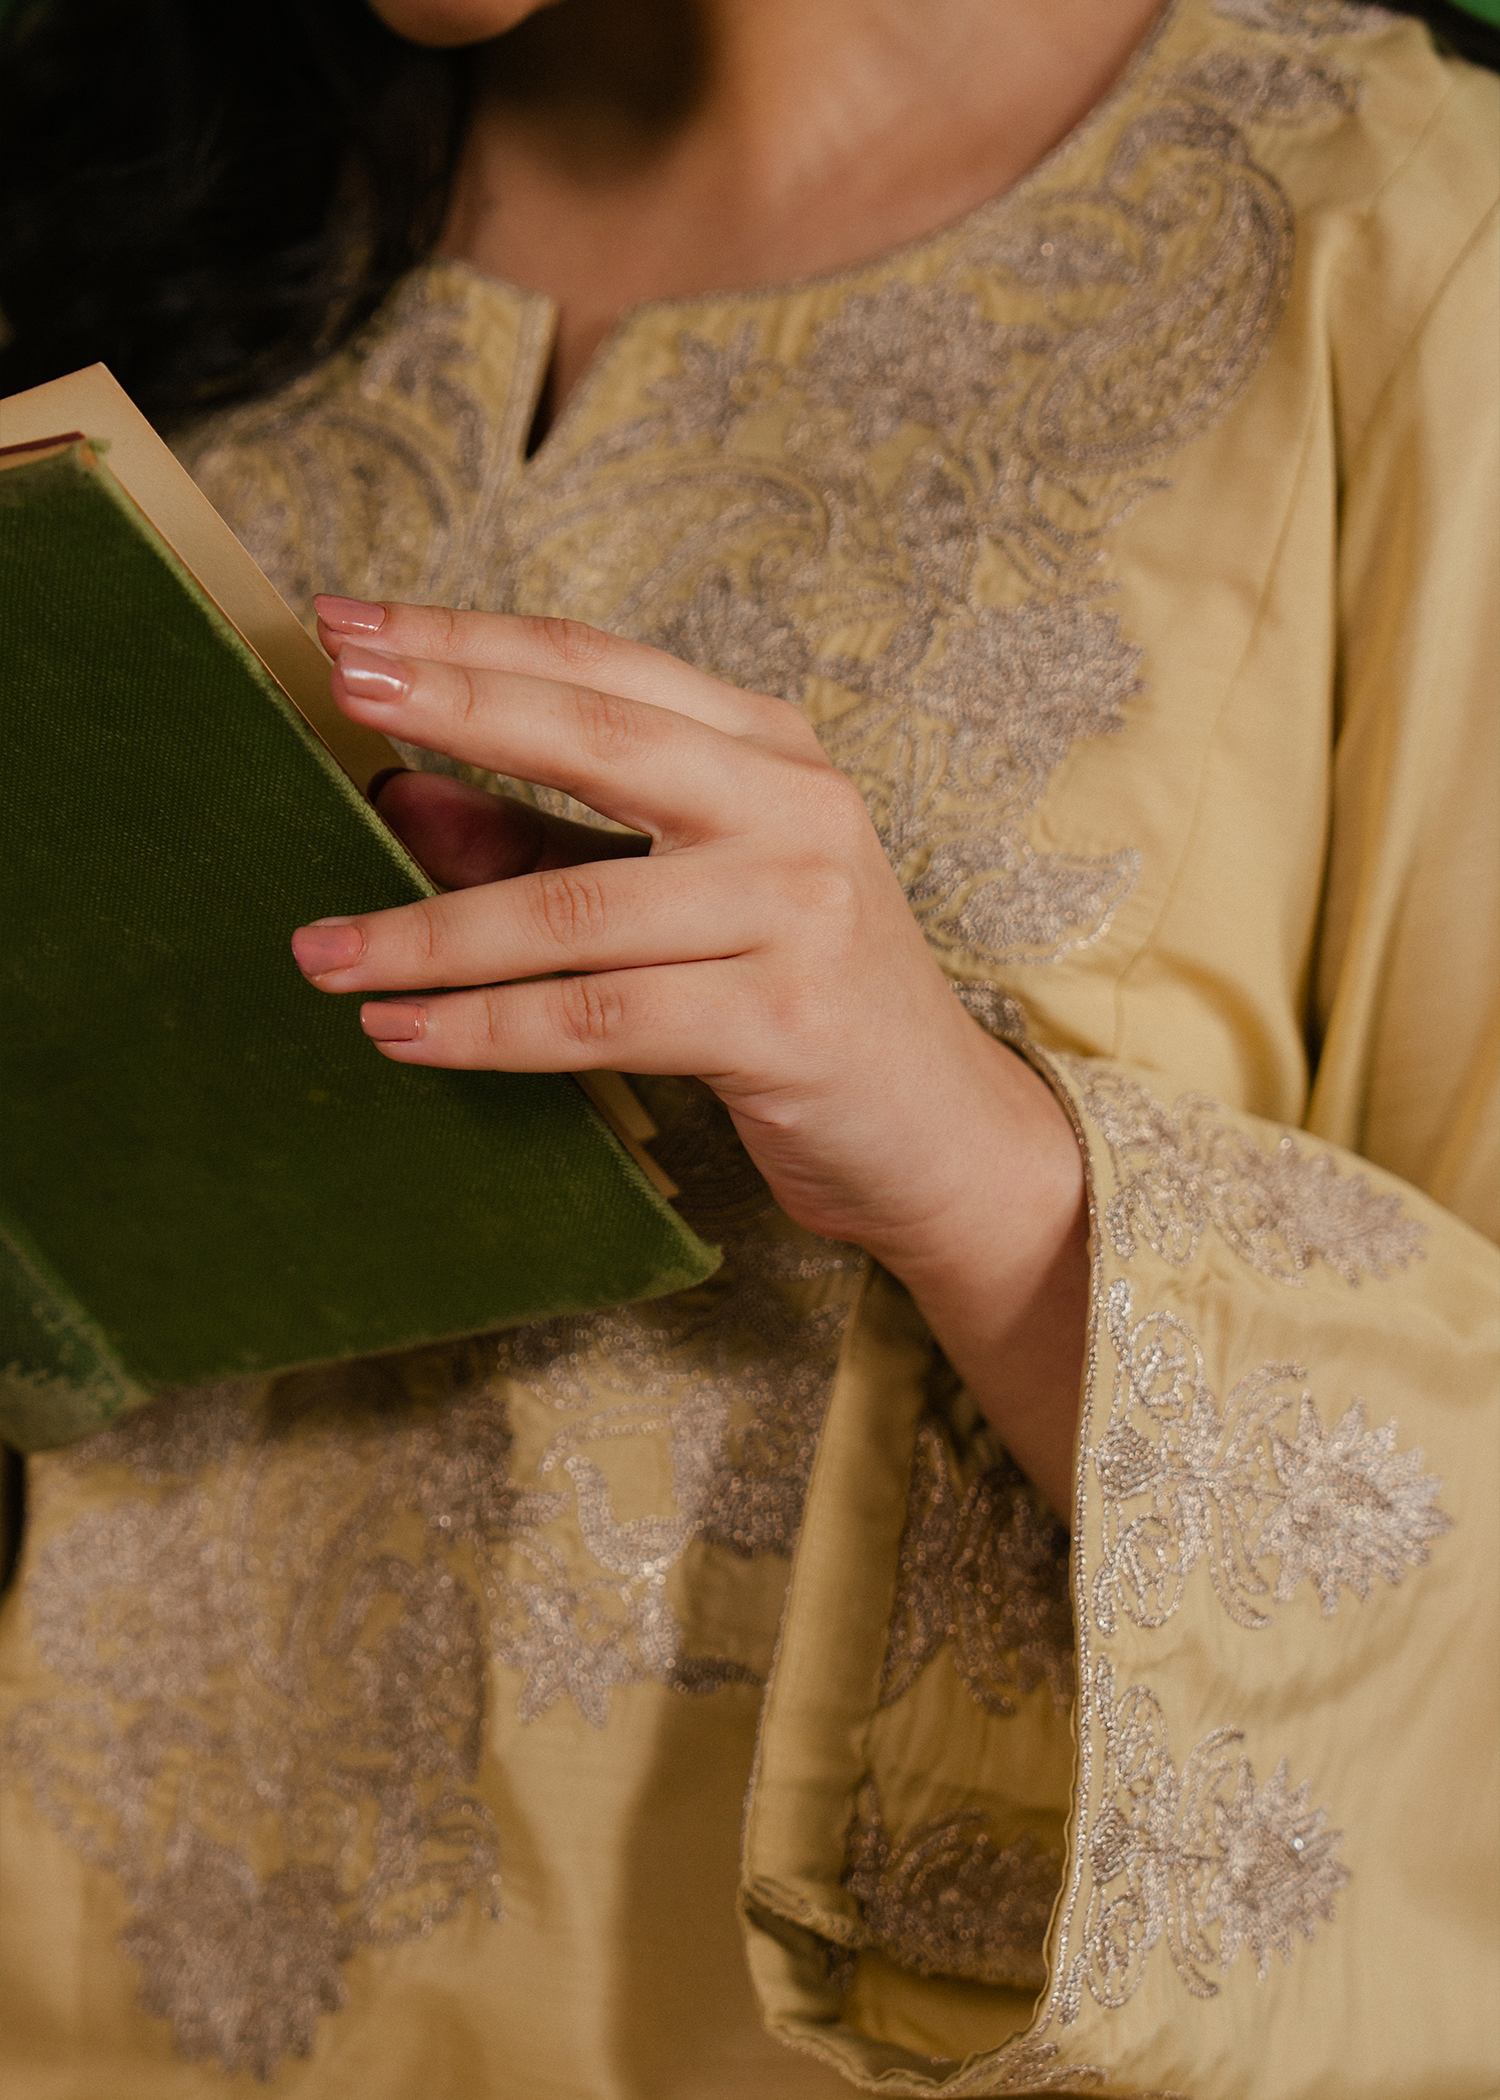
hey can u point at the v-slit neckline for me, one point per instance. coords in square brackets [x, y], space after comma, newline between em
[532, 459]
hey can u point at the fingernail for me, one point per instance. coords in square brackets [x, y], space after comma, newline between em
[368, 676]
[383, 1021]
[373, 791]
[350, 615]
[328, 944]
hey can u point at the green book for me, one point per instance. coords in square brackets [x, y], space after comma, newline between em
[206, 1171]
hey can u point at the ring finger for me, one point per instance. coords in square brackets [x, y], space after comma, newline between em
[601, 915]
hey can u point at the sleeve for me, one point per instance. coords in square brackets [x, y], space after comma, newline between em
[1407, 997]
[1215, 1811]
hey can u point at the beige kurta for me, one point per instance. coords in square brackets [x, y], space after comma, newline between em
[1131, 543]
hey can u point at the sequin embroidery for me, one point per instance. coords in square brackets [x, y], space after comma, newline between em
[1200, 1858]
[986, 1570]
[948, 1900]
[1187, 1479]
[1186, 1170]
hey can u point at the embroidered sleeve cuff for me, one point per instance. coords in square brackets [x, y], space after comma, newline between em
[1263, 1646]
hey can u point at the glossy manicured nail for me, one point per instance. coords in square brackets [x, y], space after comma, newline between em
[328, 944]
[386, 773]
[383, 1021]
[368, 676]
[350, 615]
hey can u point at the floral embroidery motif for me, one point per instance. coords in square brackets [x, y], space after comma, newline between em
[1202, 1858]
[274, 1702]
[994, 1009]
[1185, 1170]
[988, 1572]
[1270, 87]
[1185, 1480]
[947, 1900]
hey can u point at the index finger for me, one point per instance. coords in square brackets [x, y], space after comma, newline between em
[568, 652]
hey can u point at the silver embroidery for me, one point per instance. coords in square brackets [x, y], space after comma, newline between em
[1182, 1171]
[1312, 19]
[364, 475]
[988, 1572]
[1186, 1479]
[915, 555]
[948, 1900]
[275, 1672]
[735, 1373]
[273, 1680]
[904, 354]
[1270, 87]
[1030, 2066]
[993, 1009]
[1201, 1858]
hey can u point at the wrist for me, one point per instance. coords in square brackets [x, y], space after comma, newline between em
[996, 1195]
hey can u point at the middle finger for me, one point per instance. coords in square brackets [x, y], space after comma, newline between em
[657, 771]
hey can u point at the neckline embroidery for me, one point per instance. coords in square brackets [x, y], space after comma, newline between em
[969, 225]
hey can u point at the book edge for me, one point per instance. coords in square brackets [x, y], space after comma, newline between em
[91, 404]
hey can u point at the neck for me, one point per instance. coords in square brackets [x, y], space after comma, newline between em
[790, 93]
[624, 150]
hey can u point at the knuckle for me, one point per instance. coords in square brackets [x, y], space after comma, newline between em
[825, 893]
[421, 630]
[798, 1006]
[488, 1029]
[591, 1011]
[571, 644]
[427, 931]
[466, 696]
[570, 905]
[447, 634]
[837, 802]
[610, 726]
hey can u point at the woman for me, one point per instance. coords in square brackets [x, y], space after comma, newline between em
[1099, 460]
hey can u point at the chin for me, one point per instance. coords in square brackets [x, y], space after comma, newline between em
[445, 23]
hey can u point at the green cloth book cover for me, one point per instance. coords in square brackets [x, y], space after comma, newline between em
[205, 1171]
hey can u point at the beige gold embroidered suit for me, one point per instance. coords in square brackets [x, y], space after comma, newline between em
[425, 1728]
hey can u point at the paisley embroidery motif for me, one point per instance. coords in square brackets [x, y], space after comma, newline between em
[1201, 1858]
[947, 1900]
[987, 1571]
[898, 525]
[1183, 1171]
[368, 470]
[1186, 1479]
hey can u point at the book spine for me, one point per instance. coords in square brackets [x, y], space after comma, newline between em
[59, 1378]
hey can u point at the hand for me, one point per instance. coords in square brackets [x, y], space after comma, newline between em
[761, 944]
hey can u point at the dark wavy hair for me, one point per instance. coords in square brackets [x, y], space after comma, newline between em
[210, 198]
